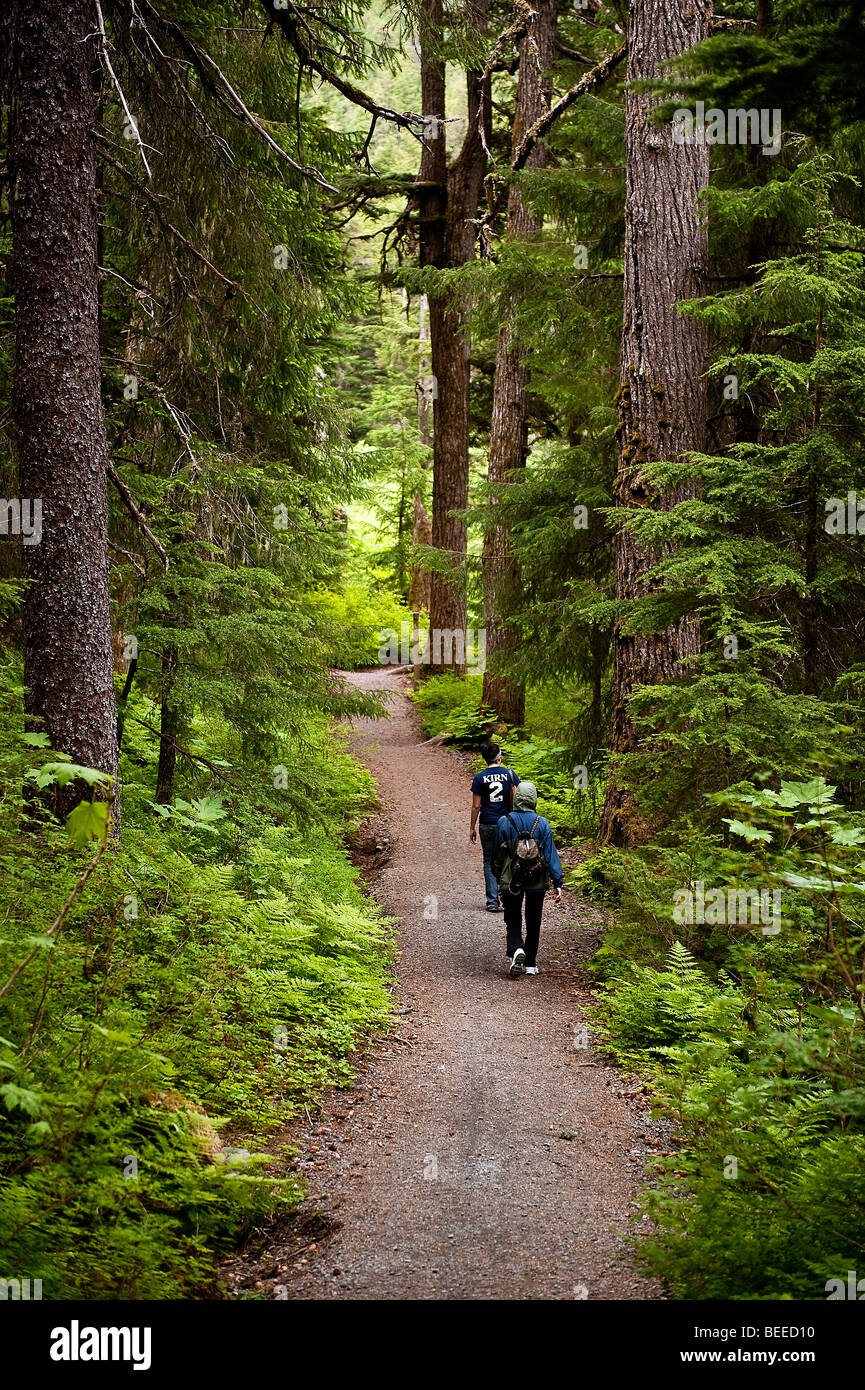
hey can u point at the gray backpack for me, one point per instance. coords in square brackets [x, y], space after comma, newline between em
[528, 865]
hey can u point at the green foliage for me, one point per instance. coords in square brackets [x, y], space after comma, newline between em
[201, 985]
[451, 705]
[275, 373]
[658, 1010]
[757, 1048]
[777, 593]
[357, 620]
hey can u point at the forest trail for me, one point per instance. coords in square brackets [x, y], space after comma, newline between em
[483, 1155]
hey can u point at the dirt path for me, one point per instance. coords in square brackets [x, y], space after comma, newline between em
[483, 1155]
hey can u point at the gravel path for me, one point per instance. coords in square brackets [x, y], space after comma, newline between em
[484, 1152]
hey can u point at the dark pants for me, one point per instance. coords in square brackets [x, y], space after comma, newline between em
[514, 922]
[488, 839]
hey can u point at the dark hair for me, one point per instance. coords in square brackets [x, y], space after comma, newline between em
[490, 751]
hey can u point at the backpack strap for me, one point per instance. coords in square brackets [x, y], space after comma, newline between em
[514, 827]
[534, 827]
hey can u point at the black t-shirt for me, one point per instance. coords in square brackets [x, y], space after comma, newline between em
[492, 786]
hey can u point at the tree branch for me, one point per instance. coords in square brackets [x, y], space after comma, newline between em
[290, 21]
[136, 514]
[168, 226]
[133, 124]
[184, 752]
[589, 80]
[209, 71]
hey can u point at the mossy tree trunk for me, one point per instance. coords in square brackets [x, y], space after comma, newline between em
[662, 391]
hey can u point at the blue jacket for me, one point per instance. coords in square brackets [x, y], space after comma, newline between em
[524, 820]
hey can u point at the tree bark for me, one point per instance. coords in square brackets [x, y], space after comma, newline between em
[450, 242]
[662, 391]
[169, 728]
[423, 403]
[60, 425]
[419, 590]
[508, 431]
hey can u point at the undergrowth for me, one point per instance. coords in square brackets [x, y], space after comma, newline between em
[753, 1043]
[213, 975]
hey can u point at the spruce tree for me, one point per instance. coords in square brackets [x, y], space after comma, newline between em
[59, 420]
[661, 393]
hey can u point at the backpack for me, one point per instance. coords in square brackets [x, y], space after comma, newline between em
[528, 865]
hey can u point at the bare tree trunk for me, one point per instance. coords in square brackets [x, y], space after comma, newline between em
[60, 425]
[423, 404]
[419, 590]
[450, 362]
[508, 431]
[169, 728]
[662, 394]
[432, 178]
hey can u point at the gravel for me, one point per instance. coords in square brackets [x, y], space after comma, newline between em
[482, 1153]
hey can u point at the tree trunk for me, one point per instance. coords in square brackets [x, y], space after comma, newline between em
[451, 241]
[169, 727]
[662, 394]
[60, 426]
[419, 590]
[508, 431]
[423, 404]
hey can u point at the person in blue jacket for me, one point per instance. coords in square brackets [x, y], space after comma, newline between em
[524, 820]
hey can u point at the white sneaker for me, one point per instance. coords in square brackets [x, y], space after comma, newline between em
[531, 970]
[517, 963]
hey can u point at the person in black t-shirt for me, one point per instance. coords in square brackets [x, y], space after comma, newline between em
[492, 797]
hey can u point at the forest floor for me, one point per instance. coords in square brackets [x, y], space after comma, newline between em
[482, 1152]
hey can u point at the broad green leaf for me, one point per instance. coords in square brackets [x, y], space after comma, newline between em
[797, 793]
[87, 822]
[17, 1098]
[848, 835]
[63, 772]
[748, 832]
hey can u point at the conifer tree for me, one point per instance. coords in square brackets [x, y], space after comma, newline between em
[60, 425]
[448, 202]
[662, 391]
[508, 427]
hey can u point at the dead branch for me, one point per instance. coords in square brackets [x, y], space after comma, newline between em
[587, 83]
[168, 226]
[133, 124]
[136, 514]
[290, 21]
[211, 74]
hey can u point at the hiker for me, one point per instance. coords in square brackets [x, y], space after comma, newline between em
[526, 862]
[492, 793]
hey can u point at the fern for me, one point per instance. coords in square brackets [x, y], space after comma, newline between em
[680, 960]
